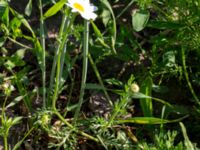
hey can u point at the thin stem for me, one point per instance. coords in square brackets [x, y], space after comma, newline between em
[56, 54]
[3, 120]
[42, 37]
[58, 74]
[3, 109]
[99, 79]
[70, 96]
[22, 91]
[21, 141]
[18, 43]
[117, 110]
[62, 61]
[119, 15]
[5, 143]
[73, 128]
[187, 77]
[160, 10]
[58, 70]
[125, 98]
[63, 55]
[85, 65]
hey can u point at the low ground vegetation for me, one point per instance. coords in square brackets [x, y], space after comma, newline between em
[79, 74]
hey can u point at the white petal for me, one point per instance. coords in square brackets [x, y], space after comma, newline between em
[86, 16]
[80, 2]
[70, 1]
[93, 8]
[87, 1]
[74, 10]
[89, 15]
[93, 16]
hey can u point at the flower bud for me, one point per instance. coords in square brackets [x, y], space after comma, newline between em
[135, 88]
[8, 88]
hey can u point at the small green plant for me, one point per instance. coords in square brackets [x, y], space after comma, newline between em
[167, 141]
[99, 76]
[7, 122]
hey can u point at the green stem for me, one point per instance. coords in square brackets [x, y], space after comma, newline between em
[99, 79]
[58, 73]
[5, 143]
[42, 37]
[56, 55]
[187, 77]
[114, 114]
[161, 10]
[3, 120]
[18, 43]
[119, 106]
[63, 55]
[59, 63]
[85, 64]
[21, 141]
[3, 109]
[73, 128]
[70, 96]
[22, 91]
[126, 8]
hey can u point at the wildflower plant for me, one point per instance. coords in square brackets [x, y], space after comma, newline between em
[63, 122]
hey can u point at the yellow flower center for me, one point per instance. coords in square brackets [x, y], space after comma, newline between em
[79, 7]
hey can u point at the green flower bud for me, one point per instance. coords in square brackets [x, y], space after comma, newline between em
[135, 88]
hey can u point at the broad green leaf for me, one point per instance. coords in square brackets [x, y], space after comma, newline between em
[146, 103]
[20, 53]
[142, 96]
[113, 81]
[38, 51]
[9, 64]
[23, 20]
[96, 30]
[15, 24]
[16, 59]
[119, 92]
[169, 59]
[4, 12]
[28, 8]
[3, 6]
[99, 35]
[15, 101]
[140, 19]
[143, 120]
[54, 9]
[16, 120]
[2, 41]
[148, 120]
[106, 16]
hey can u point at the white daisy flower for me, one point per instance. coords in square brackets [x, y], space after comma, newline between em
[84, 8]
